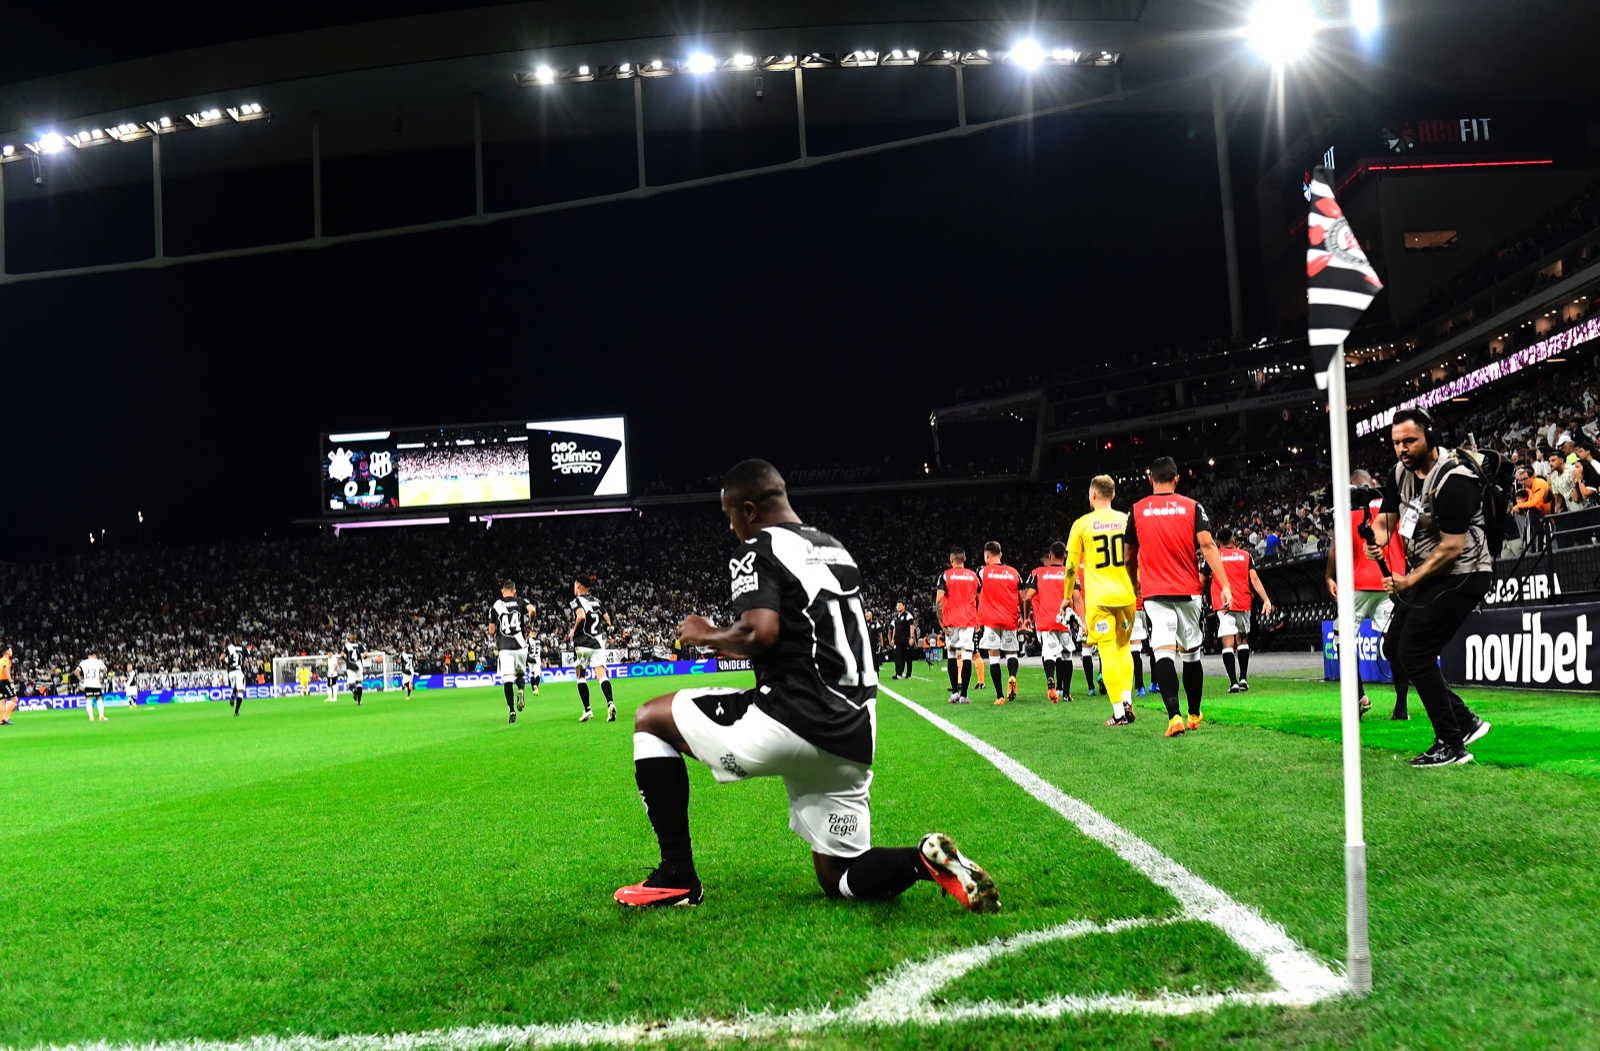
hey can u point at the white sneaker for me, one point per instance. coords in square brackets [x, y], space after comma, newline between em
[588, 713]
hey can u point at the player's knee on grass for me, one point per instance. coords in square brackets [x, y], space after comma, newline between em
[830, 870]
[655, 717]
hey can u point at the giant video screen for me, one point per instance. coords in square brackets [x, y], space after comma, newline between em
[495, 463]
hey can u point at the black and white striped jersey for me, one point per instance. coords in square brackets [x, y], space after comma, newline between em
[510, 626]
[820, 679]
[408, 664]
[353, 652]
[235, 653]
[591, 631]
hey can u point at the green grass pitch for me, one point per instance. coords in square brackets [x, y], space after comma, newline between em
[411, 866]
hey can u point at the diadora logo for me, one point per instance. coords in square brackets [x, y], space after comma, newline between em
[1163, 512]
[745, 563]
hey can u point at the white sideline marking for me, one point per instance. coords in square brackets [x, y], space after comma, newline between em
[1292, 967]
[905, 995]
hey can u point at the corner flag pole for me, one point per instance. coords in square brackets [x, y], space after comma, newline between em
[1358, 960]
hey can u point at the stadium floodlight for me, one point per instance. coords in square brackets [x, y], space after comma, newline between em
[92, 137]
[1364, 13]
[544, 75]
[49, 142]
[899, 57]
[941, 57]
[206, 118]
[576, 75]
[1099, 58]
[248, 111]
[1281, 30]
[699, 63]
[129, 132]
[779, 63]
[164, 126]
[621, 71]
[1063, 56]
[1026, 54]
[819, 60]
[657, 68]
[859, 59]
[8, 152]
[980, 57]
[739, 64]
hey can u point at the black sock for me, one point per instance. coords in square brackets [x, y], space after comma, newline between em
[966, 677]
[994, 677]
[1402, 685]
[664, 790]
[950, 665]
[1050, 672]
[605, 688]
[1244, 661]
[1138, 673]
[583, 693]
[1164, 673]
[882, 873]
[357, 692]
[1194, 680]
[510, 703]
[1011, 667]
[1230, 666]
[1088, 672]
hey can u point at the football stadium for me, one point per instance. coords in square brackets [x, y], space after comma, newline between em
[800, 525]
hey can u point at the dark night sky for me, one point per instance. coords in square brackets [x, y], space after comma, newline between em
[805, 317]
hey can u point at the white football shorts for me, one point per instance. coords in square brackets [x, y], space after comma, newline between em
[1174, 622]
[587, 657]
[1233, 622]
[353, 674]
[830, 802]
[1054, 645]
[236, 680]
[512, 663]
[1376, 606]
[1141, 626]
[1003, 639]
[958, 641]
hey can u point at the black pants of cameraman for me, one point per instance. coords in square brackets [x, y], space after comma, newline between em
[1426, 618]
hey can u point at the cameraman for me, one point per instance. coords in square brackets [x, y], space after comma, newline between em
[1436, 505]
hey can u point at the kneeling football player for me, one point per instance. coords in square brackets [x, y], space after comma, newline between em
[810, 720]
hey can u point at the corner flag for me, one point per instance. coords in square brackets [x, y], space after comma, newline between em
[1340, 283]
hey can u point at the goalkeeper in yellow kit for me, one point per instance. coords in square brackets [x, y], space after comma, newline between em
[1097, 546]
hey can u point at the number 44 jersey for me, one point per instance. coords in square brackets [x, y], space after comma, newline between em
[819, 680]
[1098, 543]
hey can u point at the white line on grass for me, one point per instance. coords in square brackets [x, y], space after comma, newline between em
[1298, 973]
[905, 995]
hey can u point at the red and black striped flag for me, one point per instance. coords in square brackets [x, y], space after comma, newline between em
[1340, 283]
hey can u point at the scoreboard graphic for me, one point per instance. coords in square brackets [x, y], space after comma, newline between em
[428, 467]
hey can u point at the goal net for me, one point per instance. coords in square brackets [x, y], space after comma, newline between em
[378, 671]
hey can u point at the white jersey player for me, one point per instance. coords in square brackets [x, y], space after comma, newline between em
[234, 658]
[92, 677]
[333, 677]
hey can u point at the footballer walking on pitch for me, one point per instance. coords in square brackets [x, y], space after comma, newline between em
[92, 676]
[1233, 624]
[233, 656]
[354, 670]
[811, 719]
[408, 671]
[1098, 542]
[588, 644]
[8, 688]
[1164, 531]
[956, 598]
[1046, 590]
[508, 621]
[999, 588]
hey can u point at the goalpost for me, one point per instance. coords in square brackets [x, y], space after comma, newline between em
[378, 671]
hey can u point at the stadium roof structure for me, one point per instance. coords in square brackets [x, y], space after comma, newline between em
[556, 76]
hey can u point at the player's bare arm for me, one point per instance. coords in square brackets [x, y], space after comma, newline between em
[1208, 550]
[754, 633]
[1441, 559]
[1266, 602]
[1130, 559]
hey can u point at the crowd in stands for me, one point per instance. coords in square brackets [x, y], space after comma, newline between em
[499, 460]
